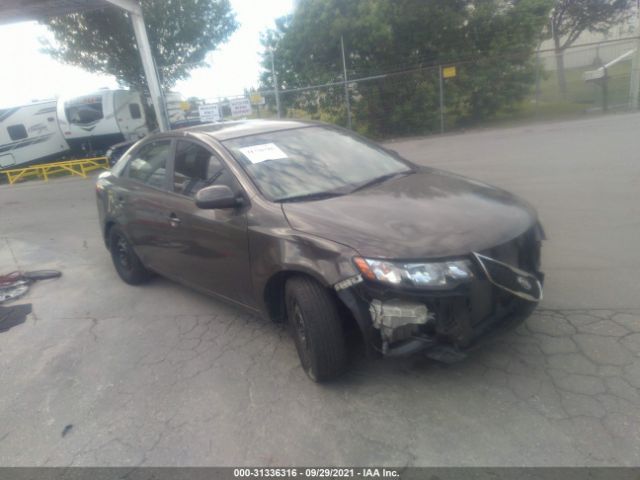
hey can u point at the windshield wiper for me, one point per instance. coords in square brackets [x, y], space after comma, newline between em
[310, 196]
[381, 179]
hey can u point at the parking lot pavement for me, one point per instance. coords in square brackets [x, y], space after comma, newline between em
[101, 373]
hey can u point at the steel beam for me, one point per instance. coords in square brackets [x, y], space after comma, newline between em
[150, 72]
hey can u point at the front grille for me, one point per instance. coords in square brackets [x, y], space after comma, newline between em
[522, 252]
[489, 299]
[511, 279]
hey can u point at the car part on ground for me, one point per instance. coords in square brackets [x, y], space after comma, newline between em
[15, 284]
[13, 291]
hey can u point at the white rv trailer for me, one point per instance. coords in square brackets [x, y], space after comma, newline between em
[30, 134]
[92, 123]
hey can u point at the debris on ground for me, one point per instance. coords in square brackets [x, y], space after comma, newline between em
[15, 284]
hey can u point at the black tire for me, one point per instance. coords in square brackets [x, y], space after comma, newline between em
[127, 263]
[316, 328]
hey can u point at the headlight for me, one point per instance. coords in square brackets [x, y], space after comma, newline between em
[437, 274]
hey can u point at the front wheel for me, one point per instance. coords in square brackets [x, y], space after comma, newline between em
[316, 328]
[127, 263]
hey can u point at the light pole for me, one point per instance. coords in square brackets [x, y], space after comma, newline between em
[440, 74]
[346, 85]
[274, 75]
[634, 87]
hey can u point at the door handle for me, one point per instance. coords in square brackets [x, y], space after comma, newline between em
[174, 221]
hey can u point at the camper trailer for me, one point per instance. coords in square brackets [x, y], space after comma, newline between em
[30, 134]
[92, 123]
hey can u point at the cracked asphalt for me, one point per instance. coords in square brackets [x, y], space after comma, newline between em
[102, 373]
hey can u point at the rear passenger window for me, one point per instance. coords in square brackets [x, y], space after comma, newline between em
[196, 167]
[17, 132]
[149, 163]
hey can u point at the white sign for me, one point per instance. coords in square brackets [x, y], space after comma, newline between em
[209, 112]
[240, 107]
[265, 151]
[592, 75]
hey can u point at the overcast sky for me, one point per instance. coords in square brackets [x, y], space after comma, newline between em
[28, 74]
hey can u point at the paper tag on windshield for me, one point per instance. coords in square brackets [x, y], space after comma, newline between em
[260, 153]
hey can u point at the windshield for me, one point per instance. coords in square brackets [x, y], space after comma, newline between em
[84, 110]
[311, 162]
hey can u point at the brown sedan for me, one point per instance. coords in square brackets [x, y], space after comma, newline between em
[316, 226]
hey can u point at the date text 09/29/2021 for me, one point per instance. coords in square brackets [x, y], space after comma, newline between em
[315, 472]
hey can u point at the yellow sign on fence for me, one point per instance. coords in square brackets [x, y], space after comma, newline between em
[449, 72]
[256, 99]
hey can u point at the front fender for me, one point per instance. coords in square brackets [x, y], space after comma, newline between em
[275, 252]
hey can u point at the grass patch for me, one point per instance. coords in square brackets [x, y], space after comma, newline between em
[589, 94]
[581, 97]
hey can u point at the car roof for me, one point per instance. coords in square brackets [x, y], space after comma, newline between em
[126, 143]
[227, 130]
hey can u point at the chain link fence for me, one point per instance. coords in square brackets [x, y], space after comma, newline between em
[581, 96]
[447, 97]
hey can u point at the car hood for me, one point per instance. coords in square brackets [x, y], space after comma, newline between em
[428, 214]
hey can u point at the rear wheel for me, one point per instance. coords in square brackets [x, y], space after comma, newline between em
[316, 328]
[127, 263]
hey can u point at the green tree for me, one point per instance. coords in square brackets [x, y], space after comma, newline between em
[181, 32]
[492, 41]
[570, 18]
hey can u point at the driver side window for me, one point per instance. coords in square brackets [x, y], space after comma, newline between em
[196, 167]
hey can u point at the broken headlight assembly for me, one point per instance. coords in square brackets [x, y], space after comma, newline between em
[427, 275]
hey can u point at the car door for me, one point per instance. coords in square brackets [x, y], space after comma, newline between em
[141, 197]
[209, 247]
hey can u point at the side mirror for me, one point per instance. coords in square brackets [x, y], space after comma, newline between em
[217, 196]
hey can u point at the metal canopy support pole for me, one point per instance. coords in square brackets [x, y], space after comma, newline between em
[346, 85]
[140, 31]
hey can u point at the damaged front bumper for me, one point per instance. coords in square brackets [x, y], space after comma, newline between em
[446, 324]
